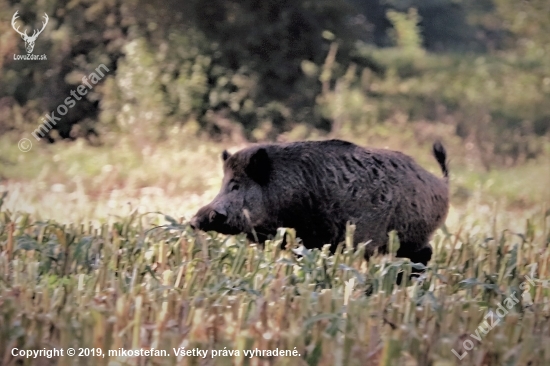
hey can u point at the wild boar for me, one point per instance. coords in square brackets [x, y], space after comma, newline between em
[316, 187]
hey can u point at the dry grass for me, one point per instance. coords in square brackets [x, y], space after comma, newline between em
[148, 281]
[80, 267]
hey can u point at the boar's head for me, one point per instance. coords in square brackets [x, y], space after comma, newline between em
[240, 206]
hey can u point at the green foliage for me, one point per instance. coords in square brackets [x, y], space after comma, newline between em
[405, 32]
[502, 115]
[248, 70]
[232, 69]
[528, 22]
[444, 24]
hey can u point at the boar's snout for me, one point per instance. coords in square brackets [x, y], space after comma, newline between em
[194, 223]
[208, 218]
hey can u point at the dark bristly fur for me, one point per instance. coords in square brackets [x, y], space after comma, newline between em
[316, 187]
[441, 157]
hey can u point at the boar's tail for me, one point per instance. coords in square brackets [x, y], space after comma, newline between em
[441, 157]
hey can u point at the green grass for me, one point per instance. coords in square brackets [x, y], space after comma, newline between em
[73, 182]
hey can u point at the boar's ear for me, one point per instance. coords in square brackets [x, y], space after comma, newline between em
[225, 155]
[259, 167]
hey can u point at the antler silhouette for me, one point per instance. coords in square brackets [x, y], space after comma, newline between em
[29, 41]
[17, 29]
[43, 26]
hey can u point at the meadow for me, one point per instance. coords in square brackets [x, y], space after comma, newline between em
[96, 255]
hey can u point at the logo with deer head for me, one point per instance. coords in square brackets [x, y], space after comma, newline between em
[29, 40]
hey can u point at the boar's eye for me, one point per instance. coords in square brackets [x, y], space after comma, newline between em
[234, 187]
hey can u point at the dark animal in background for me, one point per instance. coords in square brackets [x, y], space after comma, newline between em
[316, 187]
